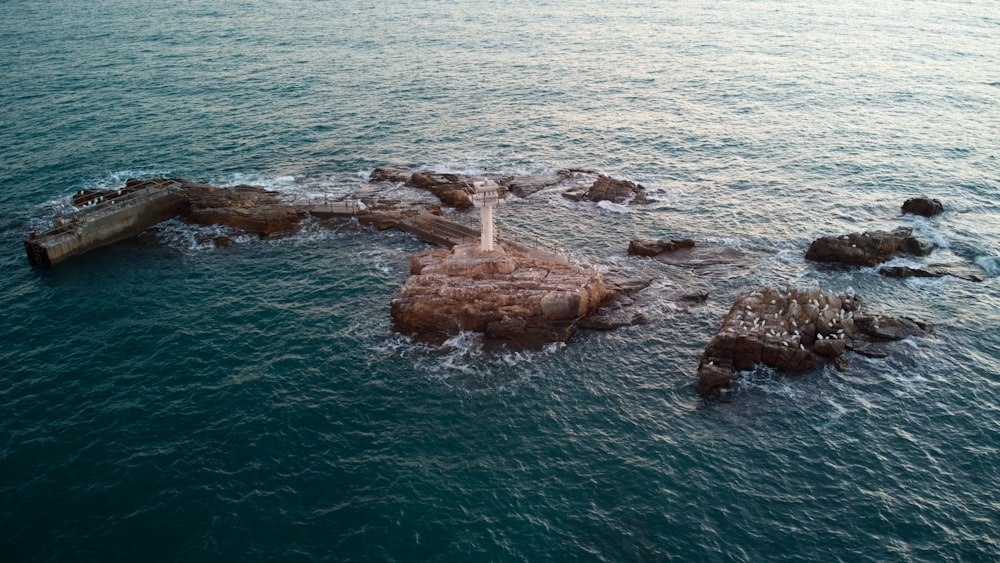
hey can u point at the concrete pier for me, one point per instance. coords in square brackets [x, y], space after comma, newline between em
[104, 220]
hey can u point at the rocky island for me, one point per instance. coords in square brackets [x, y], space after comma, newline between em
[507, 295]
[794, 330]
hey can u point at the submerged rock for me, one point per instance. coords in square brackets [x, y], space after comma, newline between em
[390, 174]
[530, 184]
[868, 248]
[793, 331]
[965, 273]
[923, 206]
[703, 257]
[507, 295]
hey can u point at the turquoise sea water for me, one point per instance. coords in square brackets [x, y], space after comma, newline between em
[165, 400]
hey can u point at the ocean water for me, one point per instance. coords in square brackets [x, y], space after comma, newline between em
[163, 399]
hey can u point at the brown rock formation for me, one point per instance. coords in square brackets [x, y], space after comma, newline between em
[454, 190]
[618, 309]
[792, 331]
[650, 247]
[867, 249]
[923, 206]
[507, 295]
[605, 188]
[252, 209]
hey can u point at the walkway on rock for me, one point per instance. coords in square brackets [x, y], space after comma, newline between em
[426, 226]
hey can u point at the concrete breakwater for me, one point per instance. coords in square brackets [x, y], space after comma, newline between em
[98, 219]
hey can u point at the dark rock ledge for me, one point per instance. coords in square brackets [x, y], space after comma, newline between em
[652, 247]
[868, 248]
[967, 273]
[875, 247]
[923, 206]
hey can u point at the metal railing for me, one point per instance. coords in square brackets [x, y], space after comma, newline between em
[353, 206]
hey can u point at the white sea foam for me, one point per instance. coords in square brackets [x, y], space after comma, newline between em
[990, 264]
[257, 179]
[768, 381]
[612, 207]
[923, 229]
[463, 362]
[299, 189]
[183, 236]
[901, 260]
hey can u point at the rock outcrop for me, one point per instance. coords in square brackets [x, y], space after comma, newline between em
[923, 206]
[506, 295]
[619, 308]
[605, 188]
[868, 248]
[651, 247]
[793, 331]
[454, 190]
[252, 209]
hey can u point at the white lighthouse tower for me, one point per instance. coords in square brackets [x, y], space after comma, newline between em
[486, 194]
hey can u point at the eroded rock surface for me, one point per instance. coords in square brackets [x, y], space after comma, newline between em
[506, 294]
[868, 248]
[794, 330]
